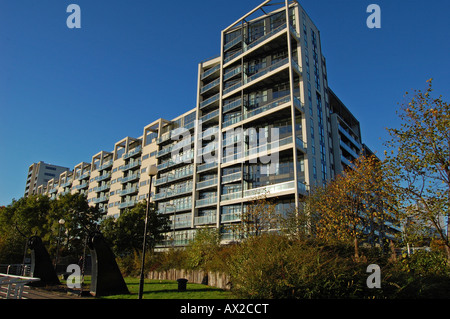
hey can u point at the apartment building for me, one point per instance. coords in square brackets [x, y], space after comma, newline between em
[39, 174]
[265, 123]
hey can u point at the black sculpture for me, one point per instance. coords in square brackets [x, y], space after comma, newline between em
[41, 264]
[106, 276]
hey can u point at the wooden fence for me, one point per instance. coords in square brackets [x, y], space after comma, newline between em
[213, 279]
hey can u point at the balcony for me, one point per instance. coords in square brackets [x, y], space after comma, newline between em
[106, 165]
[210, 100]
[267, 70]
[84, 176]
[210, 86]
[232, 43]
[210, 116]
[183, 159]
[254, 43]
[232, 105]
[127, 204]
[81, 186]
[231, 217]
[231, 178]
[263, 148]
[173, 192]
[163, 138]
[100, 199]
[206, 202]
[103, 177]
[136, 151]
[131, 165]
[211, 71]
[130, 178]
[232, 73]
[204, 220]
[206, 166]
[270, 189]
[208, 183]
[230, 196]
[175, 208]
[102, 188]
[129, 190]
[67, 184]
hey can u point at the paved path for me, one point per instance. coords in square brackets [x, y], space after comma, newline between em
[47, 293]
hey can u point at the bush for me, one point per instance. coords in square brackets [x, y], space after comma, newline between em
[272, 266]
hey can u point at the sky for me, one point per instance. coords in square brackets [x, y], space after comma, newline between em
[66, 94]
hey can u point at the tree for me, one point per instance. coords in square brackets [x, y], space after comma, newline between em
[203, 247]
[259, 216]
[354, 205]
[80, 218]
[419, 158]
[19, 221]
[126, 233]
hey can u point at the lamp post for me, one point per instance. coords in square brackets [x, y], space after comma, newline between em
[151, 171]
[60, 222]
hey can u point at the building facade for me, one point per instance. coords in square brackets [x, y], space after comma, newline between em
[265, 123]
[39, 174]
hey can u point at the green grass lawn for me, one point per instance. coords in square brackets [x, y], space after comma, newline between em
[167, 289]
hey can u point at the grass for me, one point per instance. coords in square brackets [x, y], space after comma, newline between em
[167, 289]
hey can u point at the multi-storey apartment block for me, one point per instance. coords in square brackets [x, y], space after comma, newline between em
[265, 122]
[39, 174]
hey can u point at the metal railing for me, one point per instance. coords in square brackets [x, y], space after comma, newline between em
[14, 285]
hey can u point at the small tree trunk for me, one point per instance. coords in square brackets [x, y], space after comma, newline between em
[356, 249]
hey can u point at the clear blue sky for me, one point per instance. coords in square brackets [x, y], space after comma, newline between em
[66, 94]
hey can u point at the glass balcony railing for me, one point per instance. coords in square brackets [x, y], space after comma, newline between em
[100, 199]
[137, 150]
[210, 71]
[231, 217]
[230, 196]
[206, 166]
[207, 183]
[173, 192]
[232, 105]
[229, 74]
[127, 204]
[232, 43]
[67, 184]
[129, 178]
[105, 165]
[206, 201]
[103, 177]
[210, 100]
[254, 43]
[268, 106]
[81, 186]
[131, 165]
[102, 188]
[231, 177]
[209, 116]
[257, 149]
[173, 208]
[232, 121]
[210, 86]
[130, 190]
[270, 189]
[266, 70]
[265, 37]
[232, 88]
[84, 176]
[204, 220]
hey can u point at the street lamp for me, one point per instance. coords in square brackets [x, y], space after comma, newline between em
[61, 223]
[151, 171]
